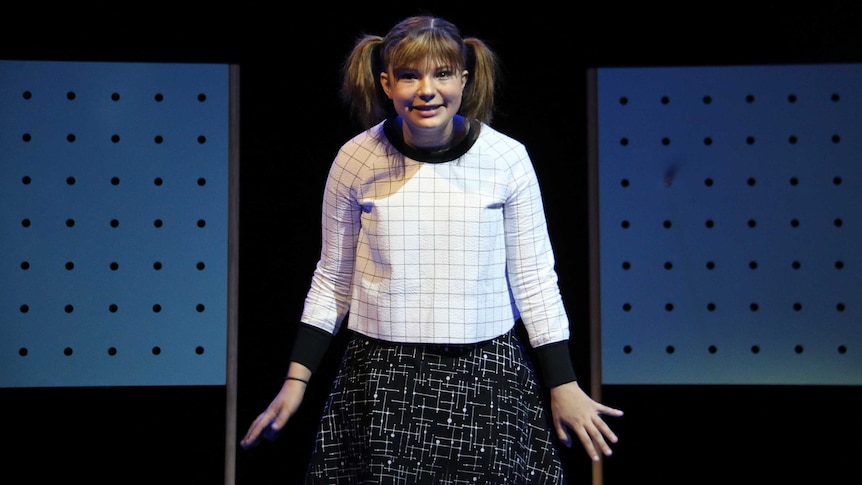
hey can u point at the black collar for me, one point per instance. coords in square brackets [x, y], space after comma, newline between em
[393, 132]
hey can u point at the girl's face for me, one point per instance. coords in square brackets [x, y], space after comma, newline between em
[427, 98]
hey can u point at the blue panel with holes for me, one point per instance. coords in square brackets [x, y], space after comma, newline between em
[114, 223]
[729, 224]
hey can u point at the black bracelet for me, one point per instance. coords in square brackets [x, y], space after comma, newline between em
[289, 378]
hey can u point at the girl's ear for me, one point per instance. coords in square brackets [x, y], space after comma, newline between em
[384, 81]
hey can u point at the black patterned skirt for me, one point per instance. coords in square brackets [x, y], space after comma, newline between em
[435, 414]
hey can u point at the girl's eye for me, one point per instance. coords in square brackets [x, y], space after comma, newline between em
[444, 74]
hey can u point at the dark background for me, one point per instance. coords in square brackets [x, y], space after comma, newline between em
[291, 125]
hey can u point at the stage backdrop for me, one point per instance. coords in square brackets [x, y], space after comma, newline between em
[726, 227]
[114, 224]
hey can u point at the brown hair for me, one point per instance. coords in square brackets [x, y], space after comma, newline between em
[411, 41]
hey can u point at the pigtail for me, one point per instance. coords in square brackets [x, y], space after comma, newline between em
[361, 88]
[483, 67]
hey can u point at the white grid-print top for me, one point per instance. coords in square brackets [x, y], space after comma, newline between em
[419, 253]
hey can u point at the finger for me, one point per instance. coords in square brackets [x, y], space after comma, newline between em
[564, 435]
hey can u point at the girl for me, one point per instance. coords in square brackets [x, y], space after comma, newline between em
[435, 242]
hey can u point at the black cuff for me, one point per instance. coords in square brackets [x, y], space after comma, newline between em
[310, 346]
[555, 363]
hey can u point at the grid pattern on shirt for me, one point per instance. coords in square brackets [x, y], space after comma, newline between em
[429, 414]
[416, 251]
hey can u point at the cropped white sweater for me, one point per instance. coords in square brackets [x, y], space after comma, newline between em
[442, 248]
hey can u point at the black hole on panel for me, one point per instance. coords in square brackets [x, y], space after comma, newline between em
[755, 349]
[23, 351]
[26, 180]
[113, 308]
[69, 308]
[707, 141]
[200, 307]
[842, 349]
[751, 181]
[202, 223]
[624, 100]
[665, 141]
[670, 349]
[835, 97]
[158, 181]
[627, 307]
[794, 223]
[710, 223]
[707, 99]
[624, 182]
[752, 223]
[200, 266]
[70, 137]
[749, 98]
[839, 264]
[666, 224]
[26, 137]
[668, 307]
[70, 222]
[794, 181]
[26, 95]
[112, 351]
[792, 139]
[840, 307]
[791, 98]
[70, 180]
[159, 97]
[115, 138]
[157, 308]
[836, 139]
[665, 100]
[798, 349]
[712, 349]
[627, 349]
[24, 308]
[202, 181]
[199, 350]
[202, 97]
[754, 307]
[115, 223]
[70, 265]
[624, 141]
[158, 223]
[114, 266]
[749, 140]
[158, 139]
[627, 265]
[752, 264]
[202, 139]
[797, 307]
[625, 224]
[25, 222]
[157, 265]
[708, 182]
[25, 265]
[70, 95]
[115, 96]
[838, 222]
[115, 180]
[668, 265]
[67, 351]
[796, 265]
[836, 180]
[157, 350]
[710, 265]
[710, 306]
